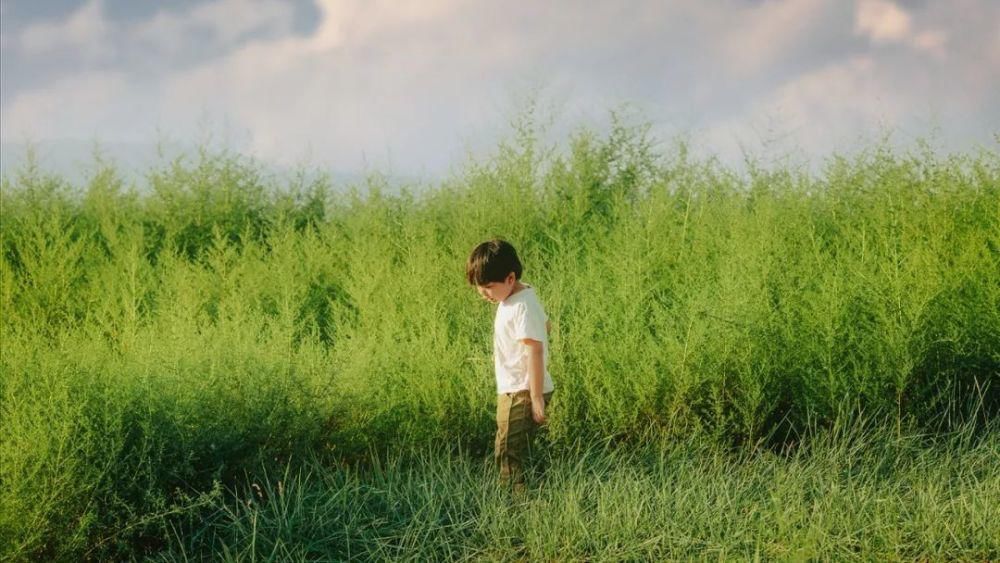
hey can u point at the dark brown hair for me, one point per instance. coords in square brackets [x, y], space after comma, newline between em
[492, 261]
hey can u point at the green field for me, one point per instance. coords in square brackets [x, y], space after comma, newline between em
[771, 362]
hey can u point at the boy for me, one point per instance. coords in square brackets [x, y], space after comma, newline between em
[520, 354]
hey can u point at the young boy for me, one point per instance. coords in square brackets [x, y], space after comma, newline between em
[520, 355]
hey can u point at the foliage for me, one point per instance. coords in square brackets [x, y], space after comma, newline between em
[161, 341]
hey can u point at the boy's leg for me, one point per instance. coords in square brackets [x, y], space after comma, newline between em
[515, 432]
[509, 424]
[537, 461]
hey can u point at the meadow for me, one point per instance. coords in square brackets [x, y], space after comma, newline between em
[764, 363]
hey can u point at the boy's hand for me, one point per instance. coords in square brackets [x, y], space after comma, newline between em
[538, 411]
[536, 369]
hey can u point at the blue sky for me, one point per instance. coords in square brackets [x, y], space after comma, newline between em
[412, 87]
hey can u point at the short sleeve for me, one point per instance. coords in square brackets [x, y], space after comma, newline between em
[529, 322]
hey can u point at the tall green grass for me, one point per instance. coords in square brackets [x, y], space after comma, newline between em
[163, 339]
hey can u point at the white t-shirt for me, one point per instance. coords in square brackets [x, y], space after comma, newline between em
[519, 316]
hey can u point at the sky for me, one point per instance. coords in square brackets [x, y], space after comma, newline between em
[414, 88]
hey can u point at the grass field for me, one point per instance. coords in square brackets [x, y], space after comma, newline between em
[766, 363]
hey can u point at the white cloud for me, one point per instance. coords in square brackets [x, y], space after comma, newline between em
[932, 42]
[358, 88]
[995, 48]
[843, 97]
[816, 112]
[224, 21]
[354, 21]
[883, 22]
[79, 103]
[406, 84]
[756, 35]
[85, 30]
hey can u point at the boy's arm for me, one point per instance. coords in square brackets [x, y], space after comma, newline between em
[536, 373]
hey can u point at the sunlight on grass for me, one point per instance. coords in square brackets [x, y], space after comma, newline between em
[167, 350]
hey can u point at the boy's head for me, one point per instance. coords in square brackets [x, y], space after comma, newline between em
[494, 268]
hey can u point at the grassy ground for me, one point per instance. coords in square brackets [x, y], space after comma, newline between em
[845, 497]
[163, 347]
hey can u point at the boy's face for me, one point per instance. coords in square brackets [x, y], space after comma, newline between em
[495, 292]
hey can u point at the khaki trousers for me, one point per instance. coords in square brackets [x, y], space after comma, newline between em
[516, 430]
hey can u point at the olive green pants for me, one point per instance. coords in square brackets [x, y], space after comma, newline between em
[516, 429]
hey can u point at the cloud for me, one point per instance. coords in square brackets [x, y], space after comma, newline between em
[845, 96]
[933, 42]
[383, 84]
[884, 22]
[409, 85]
[222, 23]
[405, 80]
[995, 50]
[207, 27]
[84, 30]
[80, 102]
[355, 21]
[815, 112]
[759, 35]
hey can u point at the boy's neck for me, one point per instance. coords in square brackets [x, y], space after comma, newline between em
[518, 286]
